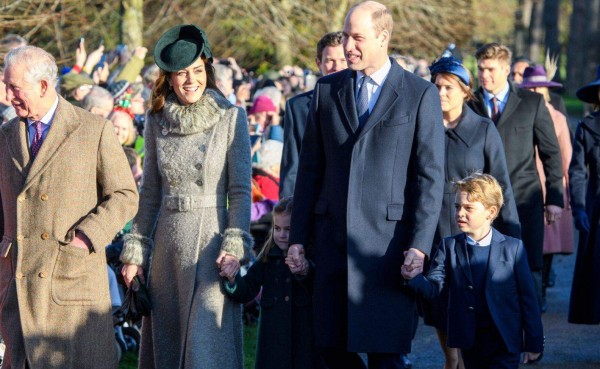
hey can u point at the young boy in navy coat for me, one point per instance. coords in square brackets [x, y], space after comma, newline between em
[493, 313]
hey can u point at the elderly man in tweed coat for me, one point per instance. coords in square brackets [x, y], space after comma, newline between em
[66, 190]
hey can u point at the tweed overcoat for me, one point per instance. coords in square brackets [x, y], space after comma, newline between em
[584, 182]
[525, 123]
[364, 197]
[197, 162]
[54, 303]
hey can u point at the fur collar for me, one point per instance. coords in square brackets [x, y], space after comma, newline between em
[194, 118]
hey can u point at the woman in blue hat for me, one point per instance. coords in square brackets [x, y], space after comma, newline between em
[194, 213]
[472, 144]
[584, 176]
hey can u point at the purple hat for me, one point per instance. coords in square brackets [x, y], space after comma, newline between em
[536, 77]
[589, 92]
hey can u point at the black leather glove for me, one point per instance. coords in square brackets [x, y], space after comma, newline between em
[582, 223]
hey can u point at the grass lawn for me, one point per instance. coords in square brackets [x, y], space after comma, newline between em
[129, 360]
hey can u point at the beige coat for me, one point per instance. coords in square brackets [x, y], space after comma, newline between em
[54, 300]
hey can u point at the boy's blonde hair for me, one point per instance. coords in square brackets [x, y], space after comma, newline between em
[483, 188]
[495, 51]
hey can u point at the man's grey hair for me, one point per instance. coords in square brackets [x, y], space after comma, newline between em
[39, 64]
[98, 97]
[222, 72]
[271, 92]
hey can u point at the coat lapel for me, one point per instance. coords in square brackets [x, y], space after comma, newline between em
[390, 91]
[479, 105]
[347, 100]
[19, 146]
[462, 256]
[495, 253]
[468, 127]
[63, 125]
[511, 104]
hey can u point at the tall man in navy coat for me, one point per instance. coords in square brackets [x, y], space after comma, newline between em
[330, 59]
[523, 123]
[365, 195]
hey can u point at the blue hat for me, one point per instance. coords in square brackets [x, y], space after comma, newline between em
[450, 65]
[589, 92]
[180, 47]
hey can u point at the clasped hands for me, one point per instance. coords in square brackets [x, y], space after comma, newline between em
[413, 263]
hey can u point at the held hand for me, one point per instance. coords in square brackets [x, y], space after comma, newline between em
[582, 222]
[553, 213]
[296, 254]
[531, 357]
[128, 271]
[413, 259]
[81, 241]
[230, 268]
[301, 267]
[409, 273]
[224, 258]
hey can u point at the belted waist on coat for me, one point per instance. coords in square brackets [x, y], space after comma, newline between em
[193, 202]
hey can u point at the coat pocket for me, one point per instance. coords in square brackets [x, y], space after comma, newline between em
[76, 277]
[395, 211]
[6, 268]
[404, 119]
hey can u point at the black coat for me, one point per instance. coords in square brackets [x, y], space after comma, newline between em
[364, 197]
[285, 338]
[294, 124]
[584, 183]
[524, 124]
[474, 144]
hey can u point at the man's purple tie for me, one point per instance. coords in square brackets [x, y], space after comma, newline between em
[37, 139]
[495, 111]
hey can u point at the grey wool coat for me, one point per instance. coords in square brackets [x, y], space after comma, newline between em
[54, 303]
[194, 202]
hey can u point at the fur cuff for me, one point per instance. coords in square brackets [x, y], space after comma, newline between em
[136, 250]
[237, 242]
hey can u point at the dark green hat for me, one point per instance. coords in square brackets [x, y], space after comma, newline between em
[180, 47]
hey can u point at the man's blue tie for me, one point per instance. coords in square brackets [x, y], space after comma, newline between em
[362, 103]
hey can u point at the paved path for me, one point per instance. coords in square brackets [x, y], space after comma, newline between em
[568, 346]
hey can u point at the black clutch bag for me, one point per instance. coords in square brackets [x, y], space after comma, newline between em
[137, 301]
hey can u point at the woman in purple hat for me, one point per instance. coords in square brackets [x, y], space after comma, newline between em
[472, 144]
[584, 175]
[558, 236]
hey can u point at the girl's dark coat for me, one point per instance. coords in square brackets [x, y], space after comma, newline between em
[285, 338]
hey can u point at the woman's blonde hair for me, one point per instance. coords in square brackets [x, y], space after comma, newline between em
[482, 188]
[283, 207]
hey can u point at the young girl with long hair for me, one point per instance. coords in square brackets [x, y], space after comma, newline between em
[285, 328]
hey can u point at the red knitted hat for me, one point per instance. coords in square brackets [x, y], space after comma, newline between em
[262, 103]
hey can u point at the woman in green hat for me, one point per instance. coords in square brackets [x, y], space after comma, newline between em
[194, 213]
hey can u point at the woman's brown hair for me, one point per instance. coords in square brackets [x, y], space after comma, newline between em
[466, 89]
[162, 88]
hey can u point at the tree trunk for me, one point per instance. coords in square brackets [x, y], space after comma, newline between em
[536, 31]
[522, 22]
[132, 23]
[551, 16]
[583, 52]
